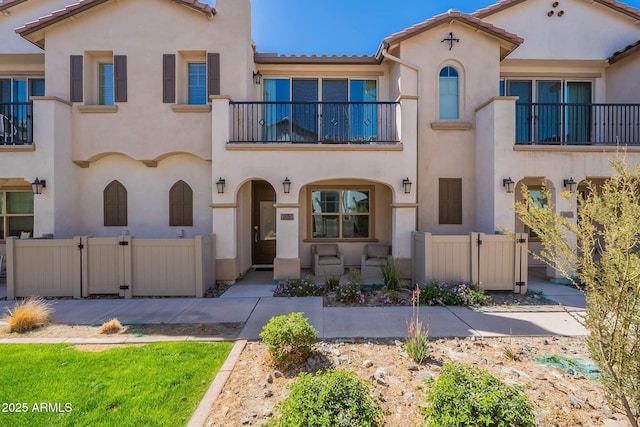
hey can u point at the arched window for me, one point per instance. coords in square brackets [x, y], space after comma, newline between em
[449, 93]
[115, 205]
[181, 205]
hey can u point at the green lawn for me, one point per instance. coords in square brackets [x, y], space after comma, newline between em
[152, 385]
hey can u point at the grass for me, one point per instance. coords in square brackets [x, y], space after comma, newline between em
[28, 314]
[151, 385]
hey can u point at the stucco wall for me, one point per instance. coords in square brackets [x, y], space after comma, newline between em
[623, 84]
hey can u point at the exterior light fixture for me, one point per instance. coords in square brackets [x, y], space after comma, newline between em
[220, 184]
[570, 184]
[286, 185]
[257, 77]
[508, 184]
[406, 184]
[38, 185]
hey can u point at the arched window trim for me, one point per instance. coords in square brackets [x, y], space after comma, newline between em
[446, 115]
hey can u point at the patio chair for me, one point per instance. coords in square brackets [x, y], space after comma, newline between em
[373, 257]
[7, 129]
[327, 260]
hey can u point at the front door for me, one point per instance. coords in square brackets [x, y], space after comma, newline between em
[263, 223]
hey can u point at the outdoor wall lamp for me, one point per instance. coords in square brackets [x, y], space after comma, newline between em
[257, 77]
[286, 185]
[508, 184]
[38, 185]
[570, 184]
[220, 184]
[406, 184]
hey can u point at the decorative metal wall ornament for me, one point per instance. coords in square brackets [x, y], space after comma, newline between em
[450, 39]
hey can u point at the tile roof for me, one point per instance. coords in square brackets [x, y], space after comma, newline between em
[624, 52]
[273, 58]
[505, 4]
[6, 4]
[82, 5]
[449, 16]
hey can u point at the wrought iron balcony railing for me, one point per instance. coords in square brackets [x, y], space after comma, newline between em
[16, 123]
[314, 122]
[577, 124]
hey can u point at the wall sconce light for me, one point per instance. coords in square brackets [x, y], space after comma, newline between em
[38, 185]
[406, 184]
[508, 184]
[286, 185]
[570, 184]
[257, 77]
[220, 184]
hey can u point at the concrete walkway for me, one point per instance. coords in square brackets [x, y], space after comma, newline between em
[250, 302]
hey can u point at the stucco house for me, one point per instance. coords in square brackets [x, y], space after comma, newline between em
[160, 119]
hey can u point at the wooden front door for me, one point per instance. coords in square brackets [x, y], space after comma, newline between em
[263, 223]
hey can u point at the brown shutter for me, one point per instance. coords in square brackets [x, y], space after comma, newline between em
[450, 201]
[120, 78]
[169, 78]
[75, 90]
[115, 205]
[180, 205]
[213, 73]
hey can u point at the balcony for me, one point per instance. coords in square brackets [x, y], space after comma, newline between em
[577, 124]
[314, 122]
[16, 123]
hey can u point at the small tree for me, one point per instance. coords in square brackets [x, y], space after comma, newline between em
[602, 253]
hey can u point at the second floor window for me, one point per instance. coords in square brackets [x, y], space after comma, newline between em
[198, 83]
[449, 94]
[105, 83]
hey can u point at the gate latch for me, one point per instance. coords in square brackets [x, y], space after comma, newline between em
[123, 243]
[124, 287]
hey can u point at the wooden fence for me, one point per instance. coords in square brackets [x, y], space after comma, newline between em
[124, 266]
[495, 262]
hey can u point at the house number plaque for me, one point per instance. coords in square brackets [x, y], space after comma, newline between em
[286, 217]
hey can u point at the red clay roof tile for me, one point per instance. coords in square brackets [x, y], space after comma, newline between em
[624, 52]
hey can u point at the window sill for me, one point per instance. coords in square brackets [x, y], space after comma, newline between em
[100, 109]
[319, 240]
[17, 148]
[451, 125]
[187, 108]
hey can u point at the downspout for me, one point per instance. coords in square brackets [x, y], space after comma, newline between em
[385, 53]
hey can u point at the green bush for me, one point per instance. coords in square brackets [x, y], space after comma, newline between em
[390, 275]
[289, 338]
[331, 283]
[466, 396]
[331, 399]
[453, 294]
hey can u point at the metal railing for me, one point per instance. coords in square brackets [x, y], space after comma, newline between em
[16, 123]
[314, 122]
[577, 124]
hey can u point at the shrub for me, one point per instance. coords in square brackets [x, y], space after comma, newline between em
[306, 287]
[28, 314]
[417, 344]
[390, 275]
[349, 293]
[113, 326]
[354, 276]
[331, 283]
[467, 396]
[332, 399]
[289, 338]
[453, 294]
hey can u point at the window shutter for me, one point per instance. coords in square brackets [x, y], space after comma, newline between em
[120, 77]
[169, 78]
[75, 90]
[180, 205]
[450, 201]
[115, 205]
[213, 73]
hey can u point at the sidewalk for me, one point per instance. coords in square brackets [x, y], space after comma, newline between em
[251, 304]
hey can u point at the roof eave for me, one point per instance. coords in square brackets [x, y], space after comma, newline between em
[7, 4]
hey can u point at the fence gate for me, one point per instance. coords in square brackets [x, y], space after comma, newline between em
[105, 266]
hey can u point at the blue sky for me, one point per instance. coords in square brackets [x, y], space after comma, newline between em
[344, 26]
